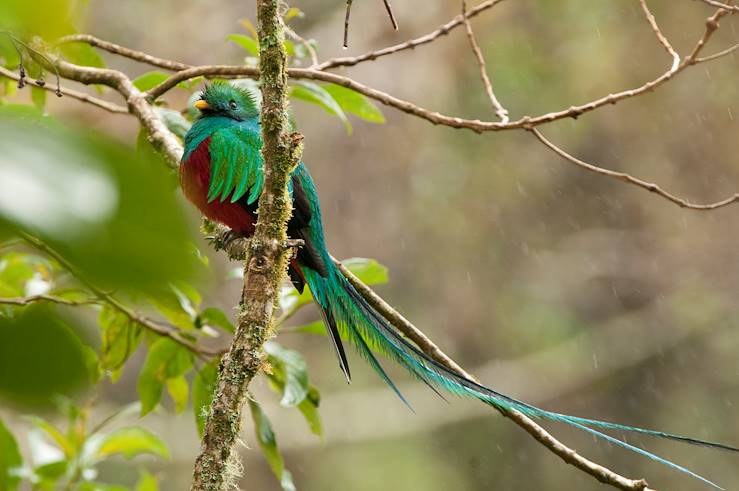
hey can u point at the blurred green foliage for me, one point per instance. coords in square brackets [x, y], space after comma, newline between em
[10, 459]
[68, 458]
[41, 356]
[103, 207]
[47, 18]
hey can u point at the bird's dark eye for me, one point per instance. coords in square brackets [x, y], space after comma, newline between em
[233, 105]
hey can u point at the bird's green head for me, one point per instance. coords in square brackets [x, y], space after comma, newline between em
[225, 99]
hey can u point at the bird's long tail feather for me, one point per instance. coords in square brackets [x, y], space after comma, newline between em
[369, 330]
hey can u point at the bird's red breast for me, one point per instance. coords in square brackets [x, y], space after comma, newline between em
[195, 181]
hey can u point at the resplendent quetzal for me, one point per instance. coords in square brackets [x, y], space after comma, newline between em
[222, 174]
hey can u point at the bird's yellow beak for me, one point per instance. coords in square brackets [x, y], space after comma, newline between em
[202, 105]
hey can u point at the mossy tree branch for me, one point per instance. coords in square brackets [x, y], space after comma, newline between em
[265, 264]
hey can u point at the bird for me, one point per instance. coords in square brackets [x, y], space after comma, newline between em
[221, 173]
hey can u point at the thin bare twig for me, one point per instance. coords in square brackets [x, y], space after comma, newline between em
[305, 43]
[80, 96]
[720, 54]
[346, 23]
[159, 328]
[232, 71]
[660, 36]
[35, 53]
[157, 133]
[720, 5]
[410, 44]
[436, 117]
[123, 51]
[500, 111]
[567, 454]
[711, 27]
[22, 301]
[622, 176]
[390, 14]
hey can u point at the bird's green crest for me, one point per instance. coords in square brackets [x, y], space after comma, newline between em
[226, 99]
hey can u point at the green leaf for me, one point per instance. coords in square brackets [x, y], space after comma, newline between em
[195, 250]
[246, 23]
[190, 84]
[128, 410]
[291, 13]
[16, 269]
[178, 304]
[120, 338]
[169, 306]
[149, 80]
[203, 389]
[268, 444]
[10, 458]
[188, 297]
[289, 366]
[178, 389]
[289, 47]
[290, 299]
[369, 271]
[49, 474]
[317, 327]
[22, 274]
[132, 441]
[8, 54]
[215, 318]
[40, 356]
[38, 97]
[55, 434]
[173, 120]
[149, 387]
[91, 360]
[289, 377]
[355, 103]
[309, 408]
[82, 54]
[250, 45]
[315, 94]
[147, 482]
[166, 360]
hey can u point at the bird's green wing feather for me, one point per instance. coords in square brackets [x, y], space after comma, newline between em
[236, 164]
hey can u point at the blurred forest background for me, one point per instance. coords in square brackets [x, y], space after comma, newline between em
[565, 289]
